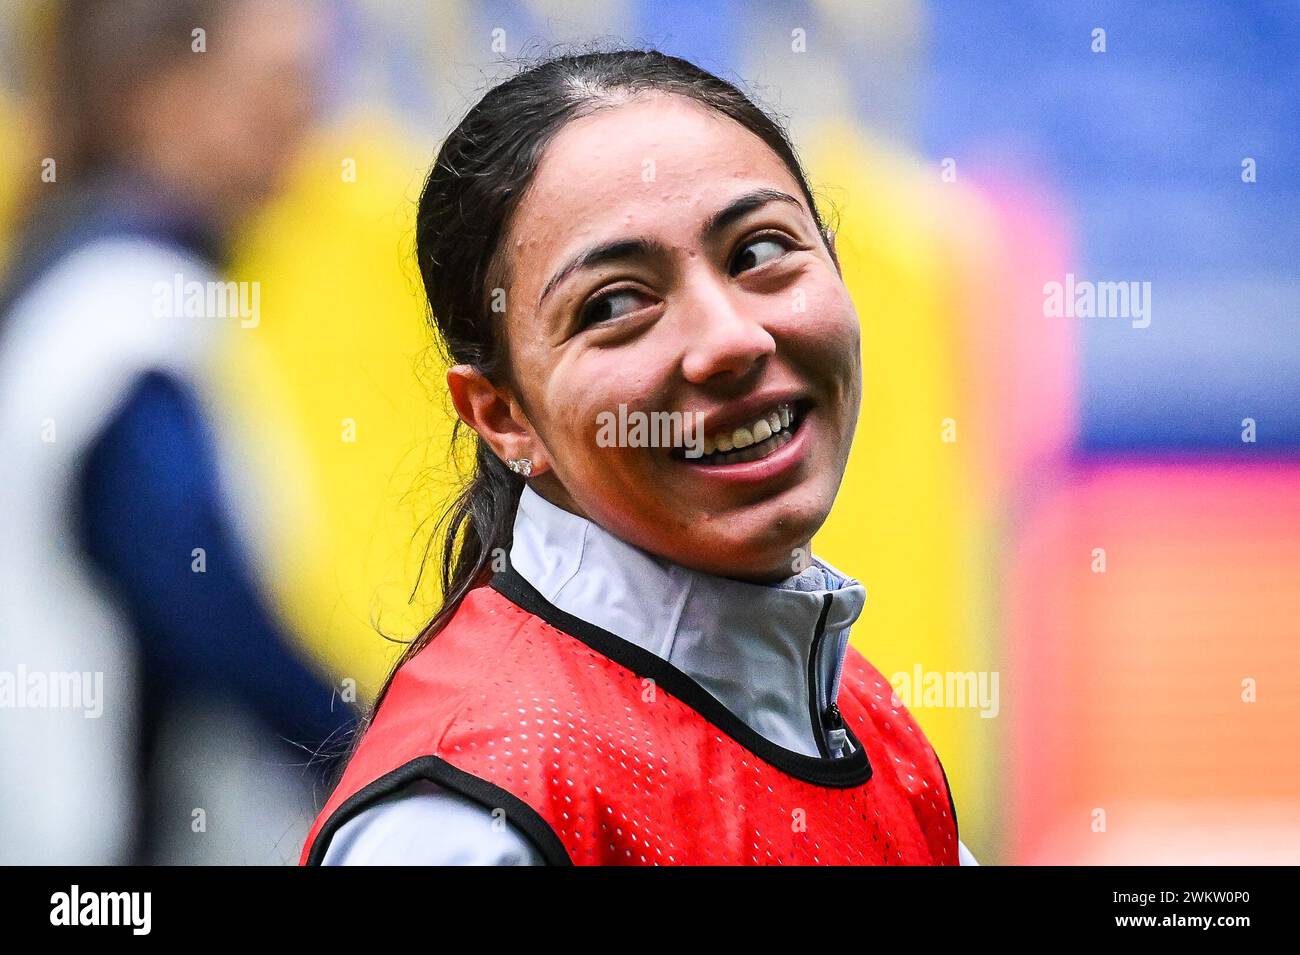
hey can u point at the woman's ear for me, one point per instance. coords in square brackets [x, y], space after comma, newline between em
[496, 415]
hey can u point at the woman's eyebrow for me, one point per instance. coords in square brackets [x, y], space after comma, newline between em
[741, 206]
[602, 254]
[645, 247]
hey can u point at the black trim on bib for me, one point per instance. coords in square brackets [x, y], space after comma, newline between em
[520, 815]
[952, 805]
[841, 772]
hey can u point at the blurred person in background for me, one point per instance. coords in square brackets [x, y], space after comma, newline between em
[125, 585]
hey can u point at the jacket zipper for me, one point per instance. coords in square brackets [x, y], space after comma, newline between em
[828, 723]
[837, 735]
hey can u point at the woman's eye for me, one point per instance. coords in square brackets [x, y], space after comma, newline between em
[755, 253]
[612, 305]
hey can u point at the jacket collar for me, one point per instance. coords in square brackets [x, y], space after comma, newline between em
[751, 646]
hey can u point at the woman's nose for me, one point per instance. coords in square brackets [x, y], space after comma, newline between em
[721, 335]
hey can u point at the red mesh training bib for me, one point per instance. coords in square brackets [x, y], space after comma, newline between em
[604, 754]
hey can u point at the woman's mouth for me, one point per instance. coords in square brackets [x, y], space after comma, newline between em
[763, 436]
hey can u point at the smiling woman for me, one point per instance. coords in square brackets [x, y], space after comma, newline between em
[639, 659]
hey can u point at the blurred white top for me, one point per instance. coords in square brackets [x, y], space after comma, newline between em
[74, 343]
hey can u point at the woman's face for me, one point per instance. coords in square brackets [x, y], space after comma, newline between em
[664, 260]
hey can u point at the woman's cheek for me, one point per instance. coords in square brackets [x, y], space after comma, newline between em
[588, 416]
[825, 326]
[569, 427]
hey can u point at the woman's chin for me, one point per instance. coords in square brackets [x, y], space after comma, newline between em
[763, 517]
[767, 543]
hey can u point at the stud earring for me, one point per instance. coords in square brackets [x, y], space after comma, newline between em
[521, 466]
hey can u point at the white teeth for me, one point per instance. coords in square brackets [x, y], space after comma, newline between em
[776, 419]
[740, 444]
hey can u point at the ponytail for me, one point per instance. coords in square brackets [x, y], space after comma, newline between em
[476, 530]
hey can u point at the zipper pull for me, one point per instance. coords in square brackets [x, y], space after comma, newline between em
[833, 718]
[837, 736]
